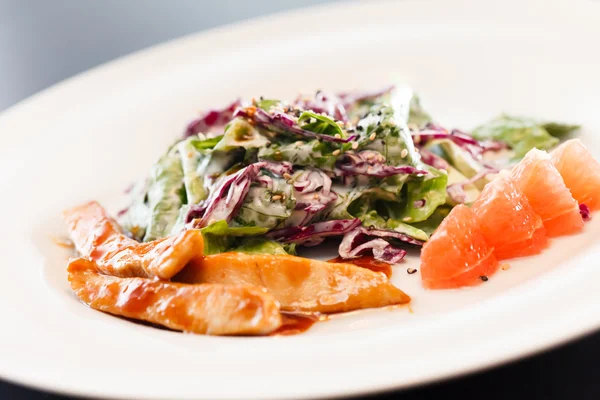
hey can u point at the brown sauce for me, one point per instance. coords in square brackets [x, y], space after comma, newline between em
[294, 323]
[367, 262]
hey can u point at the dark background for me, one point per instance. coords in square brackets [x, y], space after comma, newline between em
[43, 42]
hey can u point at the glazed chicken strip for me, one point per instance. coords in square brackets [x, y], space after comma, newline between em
[97, 237]
[299, 284]
[211, 309]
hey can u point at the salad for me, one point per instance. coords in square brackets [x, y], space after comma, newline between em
[209, 241]
[372, 168]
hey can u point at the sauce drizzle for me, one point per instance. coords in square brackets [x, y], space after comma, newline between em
[367, 262]
[295, 323]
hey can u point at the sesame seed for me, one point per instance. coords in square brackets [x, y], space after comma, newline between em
[276, 197]
[299, 143]
[340, 123]
[406, 219]
[316, 196]
[337, 135]
[287, 176]
[484, 278]
[417, 139]
[505, 267]
[403, 153]
[336, 152]
[372, 137]
[354, 145]
[411, 271]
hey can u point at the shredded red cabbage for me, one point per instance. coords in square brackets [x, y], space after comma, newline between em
[228, 196]
[585, 212]
[356, 243]
[212, 120]
[279, 122]
[314, 234]
[433, 159]
[462, 139]
[313, 194]
[372, 163]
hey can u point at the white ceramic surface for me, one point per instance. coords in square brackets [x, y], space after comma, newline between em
[89, 137]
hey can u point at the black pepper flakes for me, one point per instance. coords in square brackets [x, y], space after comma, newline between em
[411, 271]
[484, 278]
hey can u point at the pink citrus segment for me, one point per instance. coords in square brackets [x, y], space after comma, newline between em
[528, 247]
[508, 221]
[580, 171]
[547, 193]
[457, 254]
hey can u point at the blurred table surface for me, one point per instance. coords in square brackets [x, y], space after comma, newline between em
[43, 42]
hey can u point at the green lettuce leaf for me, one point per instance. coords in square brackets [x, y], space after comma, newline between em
[372, 218]
[558, 129]
[313, 153]
[257, 245]
[318, 123]
[204, 144]
[521, 134]
[384, 130]
[417, 115]
[240, 133]
[266, 104]
[137, 217]
[166, 195]
[430, 188]
[261, 209]
[462, 161]
[430, 224]
[470, 190]
[220, 237]
[193, 179]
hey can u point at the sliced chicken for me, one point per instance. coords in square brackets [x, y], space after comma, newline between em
[211, 309]
[98, 237]
[299, 284]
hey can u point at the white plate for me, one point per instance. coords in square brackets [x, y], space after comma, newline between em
[91, 136]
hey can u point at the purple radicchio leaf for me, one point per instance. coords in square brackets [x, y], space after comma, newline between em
[473, 146]
[212, 120]
[228, 196]
[279, 122]
[312, 189]
[585, 212]
[322, 102]
[356, 243]
[433, 159]
[312, 235]
[372, 163]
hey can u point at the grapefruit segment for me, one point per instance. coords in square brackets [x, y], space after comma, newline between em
[508, 221]
[457, 254]
[580, 171]
[547, 193]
